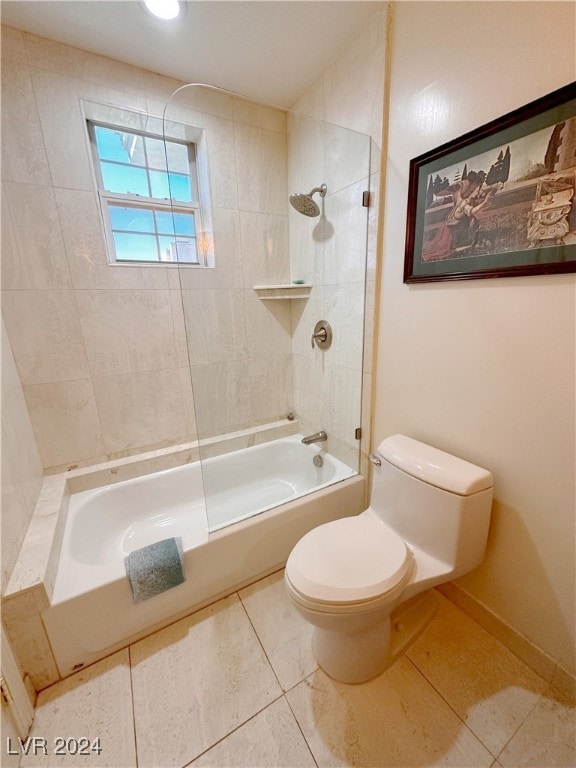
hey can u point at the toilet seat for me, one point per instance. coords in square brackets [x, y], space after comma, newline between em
[354, 561]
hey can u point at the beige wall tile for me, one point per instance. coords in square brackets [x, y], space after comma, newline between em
[311, 103]
[307, 237]
[85, 247]
[21, 617]
[140, 409]
[261, 164]
[343, 308]
[22, 442]
[15, 511]
[59, 105]
[309, 391]
[63, 130]
[346, 157]
[260, 116]
[213, 102]
[265, 256]
[268, 326]
[45, 335]
[305, 315]
[305, 153]
[21, 465]
[10, 380]
[23, 154]
[48, 54]
[242, 393]
[356, 78]
[128, 331]
[215, 325]
[33, 247]
[342, 403]
[188, 405]
[65, 421]
[12, 46]
[222, 162]
[345, 250]
[227, 272]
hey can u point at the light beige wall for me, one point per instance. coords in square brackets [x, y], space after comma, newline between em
[335, 137]
[485, 369]
[21, 466]
[102, 351]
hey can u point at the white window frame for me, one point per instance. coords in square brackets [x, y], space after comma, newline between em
[140, 123]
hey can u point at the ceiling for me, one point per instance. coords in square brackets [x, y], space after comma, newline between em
[271, 50]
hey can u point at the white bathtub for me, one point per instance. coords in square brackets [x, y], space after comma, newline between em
[272, 493]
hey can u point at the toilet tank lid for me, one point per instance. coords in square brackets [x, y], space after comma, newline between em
[434, 466]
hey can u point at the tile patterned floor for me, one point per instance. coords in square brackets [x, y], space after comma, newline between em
[236, 684]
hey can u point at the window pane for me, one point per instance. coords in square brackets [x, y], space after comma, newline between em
[132, 219]
[135, 247]
[122, 178]
[179, 249]
[179, 223]
[174, 158]
[120, 146]
[174, 186]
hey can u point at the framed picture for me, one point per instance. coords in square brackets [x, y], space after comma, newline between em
[499, 201]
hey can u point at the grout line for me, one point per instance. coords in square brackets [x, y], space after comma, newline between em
[237, 728]
[260, 641]
[520, 724]
[298, 722]
[445, 700]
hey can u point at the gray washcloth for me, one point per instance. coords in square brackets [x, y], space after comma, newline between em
[155, 568]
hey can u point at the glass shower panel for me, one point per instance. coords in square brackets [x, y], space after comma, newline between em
[258, 385]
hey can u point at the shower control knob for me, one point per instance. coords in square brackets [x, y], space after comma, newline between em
[322, 335]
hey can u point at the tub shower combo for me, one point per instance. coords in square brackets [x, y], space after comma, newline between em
[130, 555]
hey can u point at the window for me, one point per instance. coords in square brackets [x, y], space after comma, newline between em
[148, 194]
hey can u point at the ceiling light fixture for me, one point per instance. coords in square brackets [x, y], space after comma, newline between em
[163, 9]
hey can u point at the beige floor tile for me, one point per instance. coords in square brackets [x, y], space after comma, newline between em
[96, 702]
[546, 738]
[397, 720]
[285, 636]
[196, 681]
[486, 685]
[272, 738]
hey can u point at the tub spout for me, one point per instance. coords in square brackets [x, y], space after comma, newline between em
[317, 437]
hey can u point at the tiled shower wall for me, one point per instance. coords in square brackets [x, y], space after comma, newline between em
[335, 124]
[101, 350]
[21, 466]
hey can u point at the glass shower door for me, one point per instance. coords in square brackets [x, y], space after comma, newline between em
[269, 275]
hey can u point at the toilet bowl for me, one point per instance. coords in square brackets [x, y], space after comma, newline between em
[363, 582]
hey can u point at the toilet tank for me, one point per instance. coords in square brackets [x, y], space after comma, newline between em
[436, 502]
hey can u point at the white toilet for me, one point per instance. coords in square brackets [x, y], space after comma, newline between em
[364, 582]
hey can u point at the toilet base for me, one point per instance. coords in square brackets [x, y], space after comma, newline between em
[357, 657]
[353, 657]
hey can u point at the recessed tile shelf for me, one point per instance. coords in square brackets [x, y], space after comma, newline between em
[289, 291]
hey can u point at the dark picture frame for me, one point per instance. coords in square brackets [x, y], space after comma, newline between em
[499, 201]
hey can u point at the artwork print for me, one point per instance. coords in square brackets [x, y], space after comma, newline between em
[500, 201]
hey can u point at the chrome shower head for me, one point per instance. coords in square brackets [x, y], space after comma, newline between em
[305, 204]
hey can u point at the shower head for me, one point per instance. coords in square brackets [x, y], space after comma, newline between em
[305, 204]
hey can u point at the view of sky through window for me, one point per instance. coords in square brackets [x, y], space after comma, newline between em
[135, 165]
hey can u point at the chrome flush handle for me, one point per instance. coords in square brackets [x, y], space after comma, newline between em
[375, 460]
